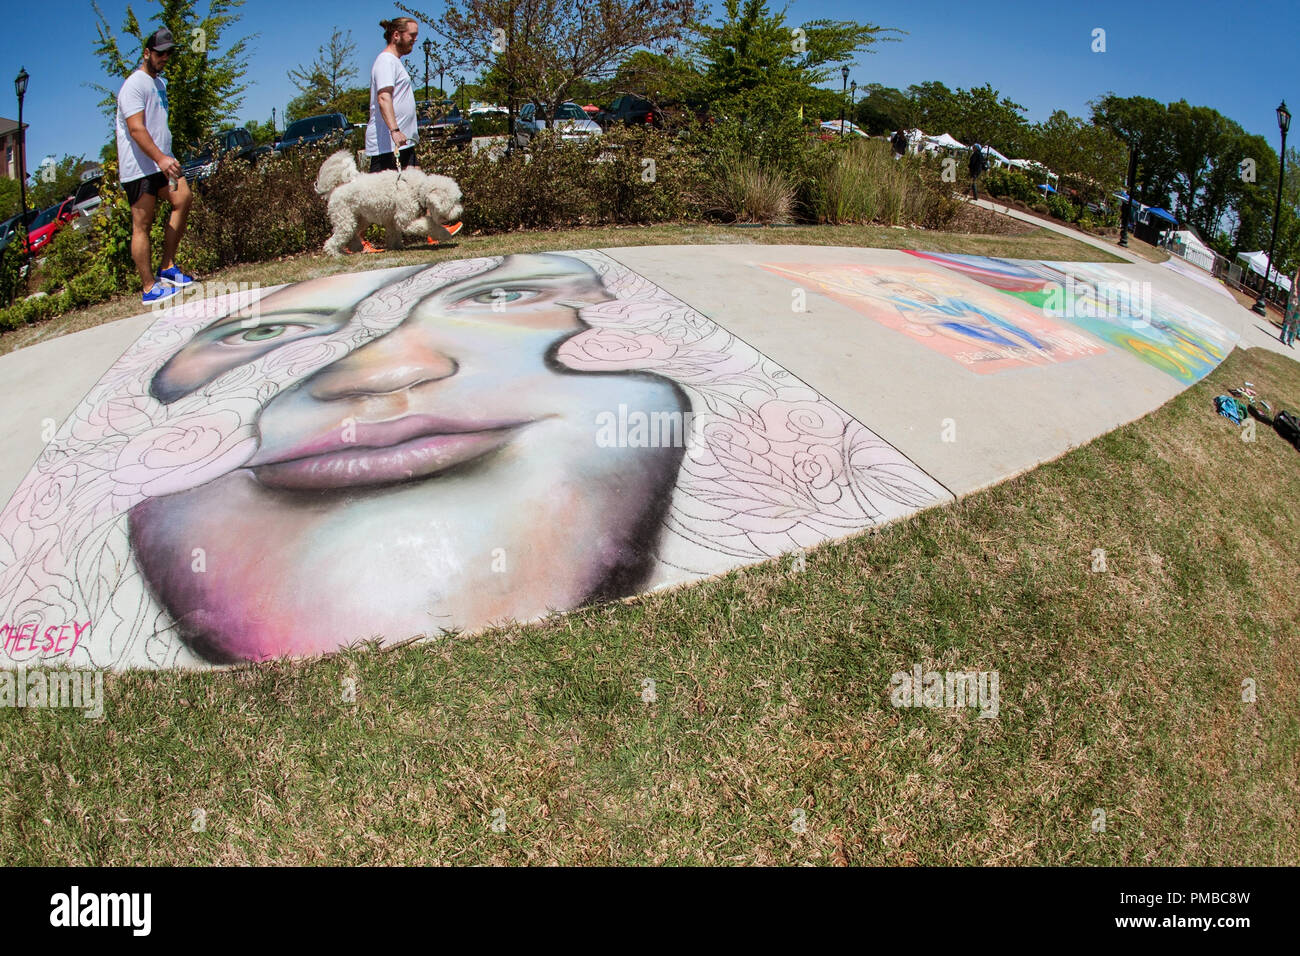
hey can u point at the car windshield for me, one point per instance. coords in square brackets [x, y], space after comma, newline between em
[203, 157]
[307, 127]
[570, 111]
[46, 218]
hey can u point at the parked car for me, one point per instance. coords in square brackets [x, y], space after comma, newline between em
[227, 144]
[329, 129]
[49, 222]
[9, 227]
[86, 199]
[570, 121]
[631, 110]
[445, 127]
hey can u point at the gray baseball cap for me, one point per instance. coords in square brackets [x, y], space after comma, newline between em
[160, 40]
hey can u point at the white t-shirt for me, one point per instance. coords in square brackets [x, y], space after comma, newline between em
[388, 71]
[141, 92]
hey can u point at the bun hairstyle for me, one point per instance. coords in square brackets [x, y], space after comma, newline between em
[389, 26]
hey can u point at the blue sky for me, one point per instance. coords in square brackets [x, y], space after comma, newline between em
[1239, 58]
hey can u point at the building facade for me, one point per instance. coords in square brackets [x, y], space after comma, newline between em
[12, 164]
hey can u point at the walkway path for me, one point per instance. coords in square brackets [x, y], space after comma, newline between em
[404, 450]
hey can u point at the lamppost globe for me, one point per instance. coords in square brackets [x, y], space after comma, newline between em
[20, 83]
[1283, 118]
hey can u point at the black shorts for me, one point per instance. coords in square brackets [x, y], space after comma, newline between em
[144, 186]
[389, 161]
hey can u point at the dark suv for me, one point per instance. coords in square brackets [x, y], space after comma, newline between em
[630, 110]
[330, 129]
[227, 144]
[443, 125]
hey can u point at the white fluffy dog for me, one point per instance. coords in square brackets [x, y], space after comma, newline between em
[408, 202]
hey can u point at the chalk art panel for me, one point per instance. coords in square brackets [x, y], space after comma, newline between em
[1122, 311]
[418, 451]
[946, 313]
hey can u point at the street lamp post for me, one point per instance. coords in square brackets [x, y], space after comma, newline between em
[844, 74]
[1284, 124]
[1128, 203]
[428, 47]
[20, 87]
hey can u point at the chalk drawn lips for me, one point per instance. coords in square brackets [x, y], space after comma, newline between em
[416, 446]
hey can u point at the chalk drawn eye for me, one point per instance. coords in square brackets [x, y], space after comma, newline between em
[259, 334]
[502, 295]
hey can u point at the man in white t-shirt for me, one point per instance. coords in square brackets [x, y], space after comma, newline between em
[148, 170]
[392, 130]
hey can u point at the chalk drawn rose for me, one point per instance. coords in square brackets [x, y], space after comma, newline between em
[795, 420]
[46, 500]
[612, 348]
[183, 454]
[818, 466]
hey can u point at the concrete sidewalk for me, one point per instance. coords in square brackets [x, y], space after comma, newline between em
[398, 451]
[912, 397]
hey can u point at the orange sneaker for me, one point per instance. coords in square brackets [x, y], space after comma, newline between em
[454, 227]
[367, 247]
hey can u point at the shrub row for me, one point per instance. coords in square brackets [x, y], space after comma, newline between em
[629, 175]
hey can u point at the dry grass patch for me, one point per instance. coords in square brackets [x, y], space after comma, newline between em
[771, 738]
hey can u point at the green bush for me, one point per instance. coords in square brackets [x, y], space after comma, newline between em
[254, 214]
[1010, 184]
[489, 124]
[1061, 208]
[11, 268]
[68, 255]
[859, 181]
[741, 190]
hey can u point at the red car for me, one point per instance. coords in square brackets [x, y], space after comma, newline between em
[49, 222]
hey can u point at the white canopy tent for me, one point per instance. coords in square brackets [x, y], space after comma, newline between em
[993, 156]
[944, 141]
[1257, 261]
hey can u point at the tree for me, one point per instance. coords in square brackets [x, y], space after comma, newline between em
[883, 109]
[263, 133]
[982, 116]
[1092, 157]
[55, 182]
[537, 49]
[204, 86]
[10, 197]
[934, 107]
[753, 56]
[326, 78]
[1143, 124]
[666, 78]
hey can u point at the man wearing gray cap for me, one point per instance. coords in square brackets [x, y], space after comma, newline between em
[148, 170]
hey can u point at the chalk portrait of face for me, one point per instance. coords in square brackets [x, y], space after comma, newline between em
[443, 475]
[414, 451]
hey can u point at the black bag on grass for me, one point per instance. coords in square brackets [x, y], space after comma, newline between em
[1285, 424]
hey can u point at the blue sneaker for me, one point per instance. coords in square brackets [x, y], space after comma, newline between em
[175, 276]
[159, 292]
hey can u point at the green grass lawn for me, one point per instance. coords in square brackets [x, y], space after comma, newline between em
[772, 738]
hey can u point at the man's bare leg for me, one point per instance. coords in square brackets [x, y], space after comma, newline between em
[180, 198]
[142, 211]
